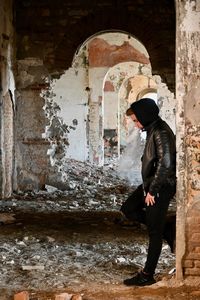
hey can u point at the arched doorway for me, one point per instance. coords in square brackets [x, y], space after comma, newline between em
[86, 104]
[80, 92]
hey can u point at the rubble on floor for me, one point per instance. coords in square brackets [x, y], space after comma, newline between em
[65, 241]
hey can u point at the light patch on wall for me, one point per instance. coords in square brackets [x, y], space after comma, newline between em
[56, 132]
[192, 105]
[66, 111]
[166, 103]
[129, 165]
[190, 22]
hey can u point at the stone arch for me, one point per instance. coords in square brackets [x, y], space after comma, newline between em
[100, 66]
[99, 54]
[114, 51]
[113, 81]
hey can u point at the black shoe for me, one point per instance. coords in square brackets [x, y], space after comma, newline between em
[140, 279]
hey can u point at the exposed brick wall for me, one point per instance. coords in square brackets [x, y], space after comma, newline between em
[191, 263]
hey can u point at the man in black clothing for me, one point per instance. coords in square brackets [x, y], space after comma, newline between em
[150, 201]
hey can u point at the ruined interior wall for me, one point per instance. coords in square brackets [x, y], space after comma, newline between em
[78, 96]
[66, 110]
[188, 140]
[114, 79]
[52, 38]
[7, 52]
[31, 165]
[105, 51]
[61, 26]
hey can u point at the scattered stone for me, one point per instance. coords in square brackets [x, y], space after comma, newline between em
[50, 239]
[172, 271]
[65, 253]
[30, 268]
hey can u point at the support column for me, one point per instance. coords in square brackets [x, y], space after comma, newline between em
[7, 88]
[188, 139]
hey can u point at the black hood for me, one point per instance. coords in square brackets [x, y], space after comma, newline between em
[146, 111]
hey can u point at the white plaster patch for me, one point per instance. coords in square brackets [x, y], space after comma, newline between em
[110, 110]
[191, 21]
[72, 99]
[96, 77]
[166, 103]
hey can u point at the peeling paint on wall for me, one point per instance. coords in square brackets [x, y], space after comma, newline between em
[190, 22]
[101, 54]
[7, 98]
[109, 48]
[66, 110]
[89, 93]
[114, 115]
[192, 107]
[166, 103]
[7, 144]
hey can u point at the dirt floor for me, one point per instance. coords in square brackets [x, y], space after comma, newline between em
[56, 241]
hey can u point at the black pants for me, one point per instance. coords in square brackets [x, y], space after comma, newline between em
[154, 216]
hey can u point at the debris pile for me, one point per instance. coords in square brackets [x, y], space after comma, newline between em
[87, 188]
[55, 240]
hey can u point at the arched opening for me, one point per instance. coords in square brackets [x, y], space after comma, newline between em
[116, 103]
[131, 141]
[93, 83]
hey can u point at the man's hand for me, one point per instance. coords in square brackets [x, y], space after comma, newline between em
[149, 200]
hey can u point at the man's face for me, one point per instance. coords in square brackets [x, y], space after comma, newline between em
[136, 122]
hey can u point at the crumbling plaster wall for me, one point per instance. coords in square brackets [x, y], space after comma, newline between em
[31, 167]
[114, 115]
[53, 38]
[79, 93]
[66, 109]
[7, 97]
[188, 138]
[105, 51]
[129, 142]
[67, 115]
[86, 100]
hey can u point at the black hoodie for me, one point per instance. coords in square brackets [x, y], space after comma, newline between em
[146, 111]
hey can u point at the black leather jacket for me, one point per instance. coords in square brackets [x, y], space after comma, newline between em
[159, 157]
